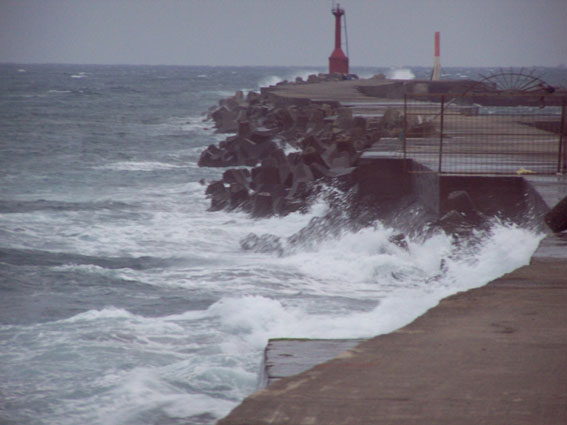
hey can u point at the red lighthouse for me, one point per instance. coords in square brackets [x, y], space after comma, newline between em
[338, 62]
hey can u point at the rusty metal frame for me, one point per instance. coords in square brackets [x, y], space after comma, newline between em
[441, 130]
[534, 150]
[562, 140]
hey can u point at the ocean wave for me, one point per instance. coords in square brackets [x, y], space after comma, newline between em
[80, 75]
[60, 91]
[367, 270]
[142, 392]
[198, 123]
[21, 206]
[401, 74]
[105, 313]
[138, 166]
[124, 326]
[291, 76]
[36, 257]
[222, 93]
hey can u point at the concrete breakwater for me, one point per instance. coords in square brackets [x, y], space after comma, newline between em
[472, 359]
[292, 142]
[325, 141]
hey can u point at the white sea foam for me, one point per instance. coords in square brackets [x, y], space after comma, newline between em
[80, 75]
[224, 93]
[120, 326]
[272, 80]
[143, 389]
[88, 269]
[253, 319]
[106, 313]
[355, 285]
[401, 74]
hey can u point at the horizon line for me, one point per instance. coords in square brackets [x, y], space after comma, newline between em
[559, 66]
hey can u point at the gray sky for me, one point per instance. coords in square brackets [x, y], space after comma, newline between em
[286, 32]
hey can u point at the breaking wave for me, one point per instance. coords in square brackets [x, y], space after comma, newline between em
[401, 74]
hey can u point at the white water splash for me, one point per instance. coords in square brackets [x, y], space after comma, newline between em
[401, 74]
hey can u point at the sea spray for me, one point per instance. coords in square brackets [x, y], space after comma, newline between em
[290, 75]
[401, 74]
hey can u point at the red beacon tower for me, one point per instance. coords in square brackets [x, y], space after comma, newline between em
[338, 61]
[436, 74]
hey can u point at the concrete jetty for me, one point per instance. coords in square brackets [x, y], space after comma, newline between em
[492, 355]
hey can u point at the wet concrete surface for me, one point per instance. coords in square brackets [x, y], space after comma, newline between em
[285, 357]
[492, 355]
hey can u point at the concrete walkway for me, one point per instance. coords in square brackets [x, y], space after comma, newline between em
[492, 355]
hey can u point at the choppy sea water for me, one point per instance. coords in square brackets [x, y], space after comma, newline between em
[123, 301]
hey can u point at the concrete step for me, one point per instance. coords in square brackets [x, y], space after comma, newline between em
[290, 356]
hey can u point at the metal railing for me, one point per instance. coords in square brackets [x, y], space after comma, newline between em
[486, 133]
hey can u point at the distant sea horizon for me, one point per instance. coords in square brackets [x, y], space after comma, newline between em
[540, 71]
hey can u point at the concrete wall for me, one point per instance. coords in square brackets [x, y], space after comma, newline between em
[396, 89]
[392, 183]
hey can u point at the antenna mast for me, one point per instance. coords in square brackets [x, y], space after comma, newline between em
[346, 36]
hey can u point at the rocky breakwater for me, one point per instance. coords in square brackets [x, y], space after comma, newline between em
[282, 151]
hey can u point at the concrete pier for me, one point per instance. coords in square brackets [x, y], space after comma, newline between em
[491, 355]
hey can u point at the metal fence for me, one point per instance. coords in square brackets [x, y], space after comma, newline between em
[486, 134]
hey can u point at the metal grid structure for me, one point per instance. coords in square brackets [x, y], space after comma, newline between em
[486, 134]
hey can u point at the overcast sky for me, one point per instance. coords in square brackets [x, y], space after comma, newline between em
[286, 32]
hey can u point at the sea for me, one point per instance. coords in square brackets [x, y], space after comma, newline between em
[124, 301]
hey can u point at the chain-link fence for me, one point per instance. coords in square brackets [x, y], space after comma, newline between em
[486, 134]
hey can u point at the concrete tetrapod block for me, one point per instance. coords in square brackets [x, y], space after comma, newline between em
[238, 194]
[265, 175]
[302, 181]
[219, 195]
[312, 142]
[556, 218]
[263, 205]
[237, 175]
[225, 120]
[244, 128]
[211, 157]
[311, 156]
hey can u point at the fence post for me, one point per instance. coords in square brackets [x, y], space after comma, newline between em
[562, 140]
[405, 129]
[441, 125]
